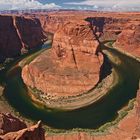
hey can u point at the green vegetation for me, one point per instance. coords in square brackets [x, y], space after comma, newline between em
[121, 114]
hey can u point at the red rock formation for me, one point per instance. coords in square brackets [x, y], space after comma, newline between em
[17, 34]
[64, 72]
[8, 123]
[70, 54]
[129, 39]
[32, 133]
[47, 22]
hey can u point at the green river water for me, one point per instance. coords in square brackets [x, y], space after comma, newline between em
[92, 116]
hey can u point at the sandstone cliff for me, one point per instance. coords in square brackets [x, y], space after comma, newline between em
[129, 39]
[31, 133]
[72, 66]
[8, 123]
[19, 34]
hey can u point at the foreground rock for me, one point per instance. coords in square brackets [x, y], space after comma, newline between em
[8, 123]
[32, 133]
[12, 128]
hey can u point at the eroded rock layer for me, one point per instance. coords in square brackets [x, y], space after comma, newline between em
[71, 67]
[129, 39]
[18, 34]
[8, 123]
[35, 132]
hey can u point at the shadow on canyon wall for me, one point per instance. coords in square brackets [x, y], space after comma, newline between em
[97, 27]
[18, 35]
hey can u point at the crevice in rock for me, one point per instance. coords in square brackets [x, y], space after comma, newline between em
[74, 58]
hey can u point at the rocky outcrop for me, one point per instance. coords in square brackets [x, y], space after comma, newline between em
[31, 133]
[75, 45]
[64, 73]
[18, 34]
[129, 39]
[47, 21]
[8, 123]
[8, 38]
[12, 128]
[137, 130]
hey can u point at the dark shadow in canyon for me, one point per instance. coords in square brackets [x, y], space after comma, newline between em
[97, 26]
[19, 35]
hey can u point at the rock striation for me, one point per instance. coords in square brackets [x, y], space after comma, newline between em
[18, 34]
[129, 39]
[74, 47]
[12, 128]
[31, 133]
[8, 123]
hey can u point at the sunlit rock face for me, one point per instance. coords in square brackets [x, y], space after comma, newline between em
[129, 39]
[72, 66]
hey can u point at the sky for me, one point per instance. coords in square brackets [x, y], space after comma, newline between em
[107, 5]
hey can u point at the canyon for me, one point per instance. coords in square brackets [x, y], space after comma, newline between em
[74, 65]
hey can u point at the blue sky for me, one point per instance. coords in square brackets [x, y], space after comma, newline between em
[108, 5]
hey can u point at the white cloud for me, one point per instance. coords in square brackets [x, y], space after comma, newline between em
[114, 4]
[25, 4]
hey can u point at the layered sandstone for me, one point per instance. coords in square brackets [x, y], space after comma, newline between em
[129, 39]
[35, 132]
[72, 66]
[12, 128]
[18, 35]
[8, 123]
